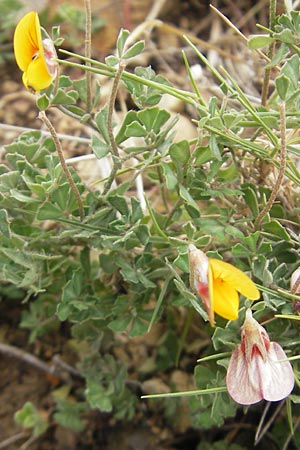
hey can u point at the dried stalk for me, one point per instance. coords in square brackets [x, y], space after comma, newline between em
[13, 439]
[42, 116]
[17, 353]
[57, 366]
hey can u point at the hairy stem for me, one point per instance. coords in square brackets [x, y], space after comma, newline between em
[88, 51]
[42, 116]
[282, 166]
[113, 145]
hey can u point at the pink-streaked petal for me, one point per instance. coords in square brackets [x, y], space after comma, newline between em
[241, 384]
[277, 377]
[198, 263]
[201, 278]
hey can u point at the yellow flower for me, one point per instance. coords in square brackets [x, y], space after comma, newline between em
[34, 56]
[218, 284]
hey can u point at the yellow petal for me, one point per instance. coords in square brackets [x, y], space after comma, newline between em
[37, 77]
[225, 299]
[234, 277]
[27, 40]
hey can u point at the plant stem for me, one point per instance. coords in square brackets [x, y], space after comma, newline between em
[11, 440]
[88, 51]
[263, 166]
[42, 116]
[266, 81]
[282, 166]
[113, 145]
[185, 96]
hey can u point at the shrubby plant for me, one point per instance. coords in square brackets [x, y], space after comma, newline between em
[108, 258]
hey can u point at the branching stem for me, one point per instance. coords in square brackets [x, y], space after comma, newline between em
[42, 116]
[282, 166]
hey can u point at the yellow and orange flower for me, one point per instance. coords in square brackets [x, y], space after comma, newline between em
[35, 56]
[218, 284]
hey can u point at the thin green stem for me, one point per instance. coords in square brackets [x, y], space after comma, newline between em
[103, 69]
[42, 116]
[88, 51]
[207, 391]
[282, 167]
[182, 340]
[194, 84]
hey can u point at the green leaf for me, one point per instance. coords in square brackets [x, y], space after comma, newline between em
[48, 211]
[121, 41]
[136, 210]
[276, 229]
[285, 36]
[171, 179]
[68, 415]
[214, 147]
[64, 98]
[135, 129]
[112, 60]
[42, 102]
[120, 324]
[4, 223]
[134, 50]
[29, 417]
[148, 116]
[55, 34]
[280, 54]
[129, 118]
[98, 396]
[64, 81]
[250, 199]
[161, 118]
[259, 41]
[182, 262]
[282, 85]
[100, 148]
[180, 152]
[185, 195]
[120, 203]
[101, 121]
[291, 70]
[142, 233]
[240, 250]
[9, 180]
